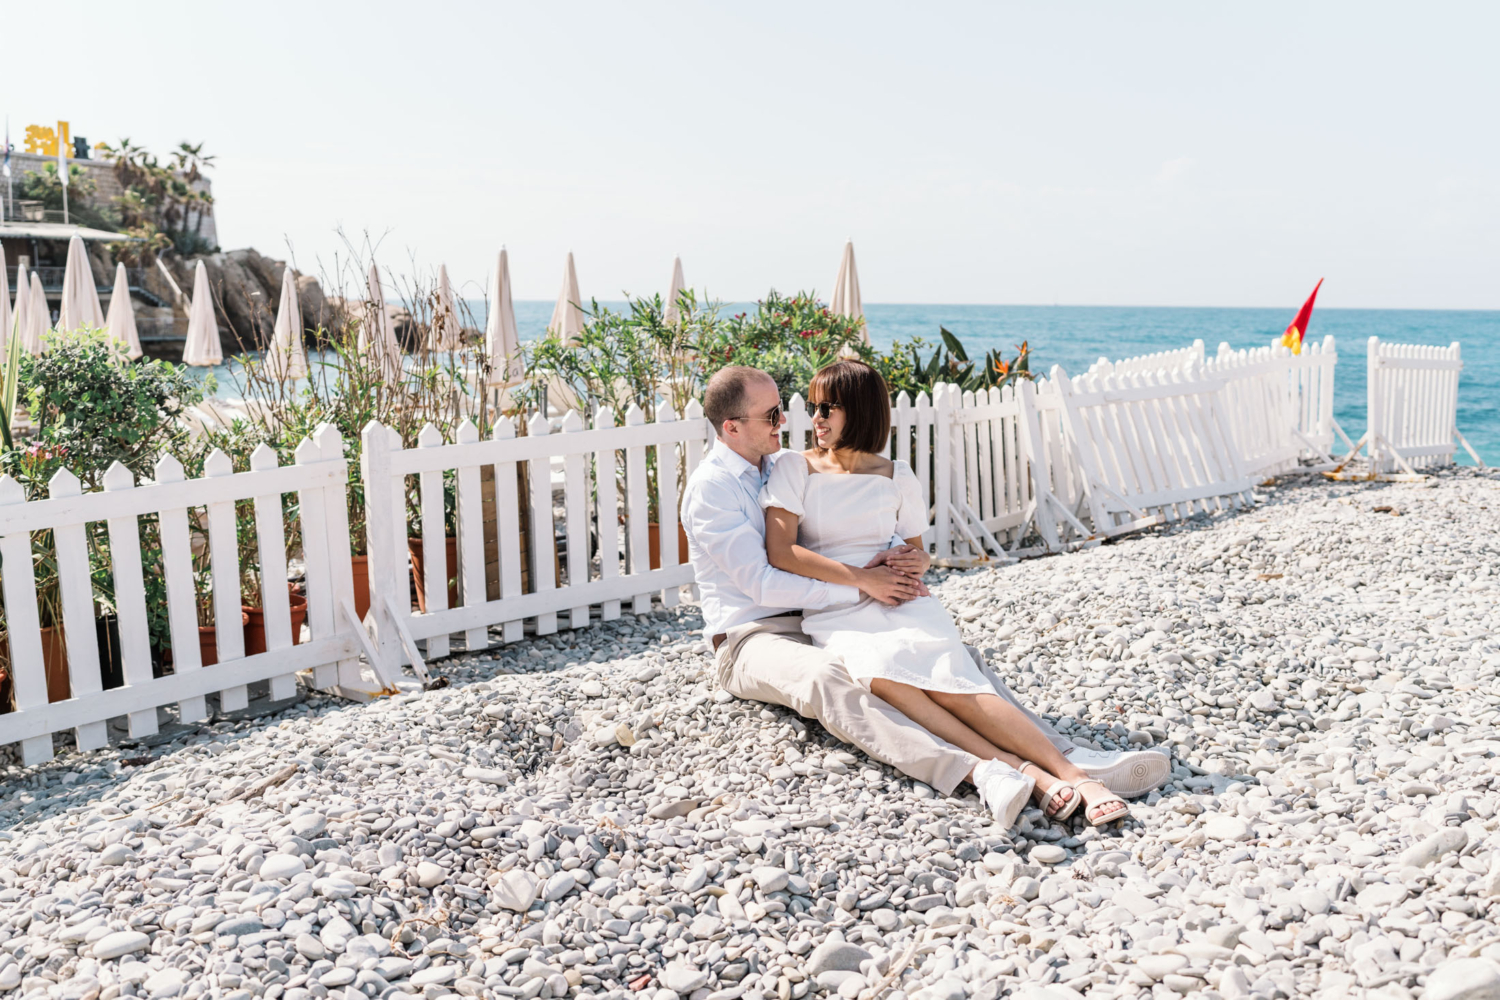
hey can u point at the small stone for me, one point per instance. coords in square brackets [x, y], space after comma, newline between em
[1224, 935]
[1224, 827]
[1463, 979]
[430, 875]
[280, 866]
[593, 689]
[835, 955]
[683, 979]
[515, 890]
[1380, 896]
[1159, 967]
[309, 825]
[488, 775]
[309, 947]
[1435, 848]
[121, 943]
[116, 854]
[769, 879]
[1048, 854]
[434, 975]
[558, 886]
[674, 808]
[1025, 887]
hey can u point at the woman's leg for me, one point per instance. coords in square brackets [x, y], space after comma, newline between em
[922, 708]
[1002, 724]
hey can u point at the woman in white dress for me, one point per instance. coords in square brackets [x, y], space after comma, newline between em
[834, 507]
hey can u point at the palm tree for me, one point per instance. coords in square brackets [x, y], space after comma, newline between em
[191, 160]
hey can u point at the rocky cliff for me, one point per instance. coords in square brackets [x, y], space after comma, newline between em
[247, 288]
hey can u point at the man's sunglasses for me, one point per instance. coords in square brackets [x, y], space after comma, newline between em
[774, 416]
[823, 409]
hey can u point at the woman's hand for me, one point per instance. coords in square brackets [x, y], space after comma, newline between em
[910, 559]
[889, 586]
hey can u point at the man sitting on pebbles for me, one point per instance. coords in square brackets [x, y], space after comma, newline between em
[753, 618]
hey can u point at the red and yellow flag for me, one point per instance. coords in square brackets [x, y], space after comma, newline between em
[1298, 330]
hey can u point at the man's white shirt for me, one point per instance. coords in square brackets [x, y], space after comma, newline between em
[726, 531]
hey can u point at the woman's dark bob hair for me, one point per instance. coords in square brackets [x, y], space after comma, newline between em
[865, 400]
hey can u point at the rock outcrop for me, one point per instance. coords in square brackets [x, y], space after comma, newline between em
[247, 289]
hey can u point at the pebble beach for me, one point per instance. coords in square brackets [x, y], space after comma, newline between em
[585, 815]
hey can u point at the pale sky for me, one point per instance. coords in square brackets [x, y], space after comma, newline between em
[1086, 153]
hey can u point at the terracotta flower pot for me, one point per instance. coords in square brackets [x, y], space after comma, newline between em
[653, 533]
[55, 662]
[361, 586]
[419, 575]
[255, 624]
[208, 647]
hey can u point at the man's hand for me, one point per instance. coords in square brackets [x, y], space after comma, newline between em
[905, 558]
[889, 586]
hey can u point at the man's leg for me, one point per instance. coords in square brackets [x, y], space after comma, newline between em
[772, 661]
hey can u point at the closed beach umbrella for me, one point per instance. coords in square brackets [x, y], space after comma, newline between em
[20, 320]
[567, 315]
[287, 358]
[446, 333]
[846, 301]
[121, 319]
[80, 297]
[502, 341]
[377, 337]
[38, 317]
[5, 315]
[670, 314]
[202, 347]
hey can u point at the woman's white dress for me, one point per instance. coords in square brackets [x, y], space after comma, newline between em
[850, 518]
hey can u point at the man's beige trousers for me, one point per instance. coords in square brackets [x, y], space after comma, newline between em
[771, 660]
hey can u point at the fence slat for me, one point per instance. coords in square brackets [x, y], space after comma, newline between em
[275, 602]
[666, 505]
[543, 541]
[609, 512]
[508, 529]
[435, 569]
[319, 550]
[182, 599]
[130, 600]
[470, 536]
[576, 508]
[637, 512]
[28, 669]
[76, 592]
[224, 574]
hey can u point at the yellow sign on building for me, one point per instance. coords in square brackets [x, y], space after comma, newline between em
[44, 140]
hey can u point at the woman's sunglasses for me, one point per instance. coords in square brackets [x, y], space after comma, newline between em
[823, 409]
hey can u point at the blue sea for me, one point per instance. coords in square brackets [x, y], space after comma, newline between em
[1077, 336]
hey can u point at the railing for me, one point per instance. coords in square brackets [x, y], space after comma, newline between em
[179, 506]
[52, 278]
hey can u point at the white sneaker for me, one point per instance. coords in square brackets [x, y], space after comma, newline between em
[1125, 772]
[1003, 790]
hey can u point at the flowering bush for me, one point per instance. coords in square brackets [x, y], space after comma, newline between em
[788, 337]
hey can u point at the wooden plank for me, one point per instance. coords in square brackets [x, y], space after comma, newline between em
[75, 588]
[413, 460]
[471, 561]
[508, 528]
[609, 513]
[23, 628]
[224, 570]
[182, 601]
[637, 511]
[667, 501]
[553, 600]
[275, 602]
[39, 515]
[543, 543]
[576, 514]
[130, 600]
[182, 687]
[319, 550]
[385, 519]
[435, 571]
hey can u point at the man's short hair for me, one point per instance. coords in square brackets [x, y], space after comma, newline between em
[866, 402]
[724, 397]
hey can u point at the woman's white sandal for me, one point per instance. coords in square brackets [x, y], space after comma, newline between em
[1113, 814]
[1067, 808]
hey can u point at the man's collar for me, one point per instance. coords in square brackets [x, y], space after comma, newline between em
[733, 460]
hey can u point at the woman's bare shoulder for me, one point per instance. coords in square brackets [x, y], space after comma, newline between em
[879, 465]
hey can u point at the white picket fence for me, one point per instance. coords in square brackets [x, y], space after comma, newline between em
[605, 534]
[1412, 406]
[1279, 403]
[332, 652]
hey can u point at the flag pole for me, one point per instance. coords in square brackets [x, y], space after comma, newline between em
[62, 172]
